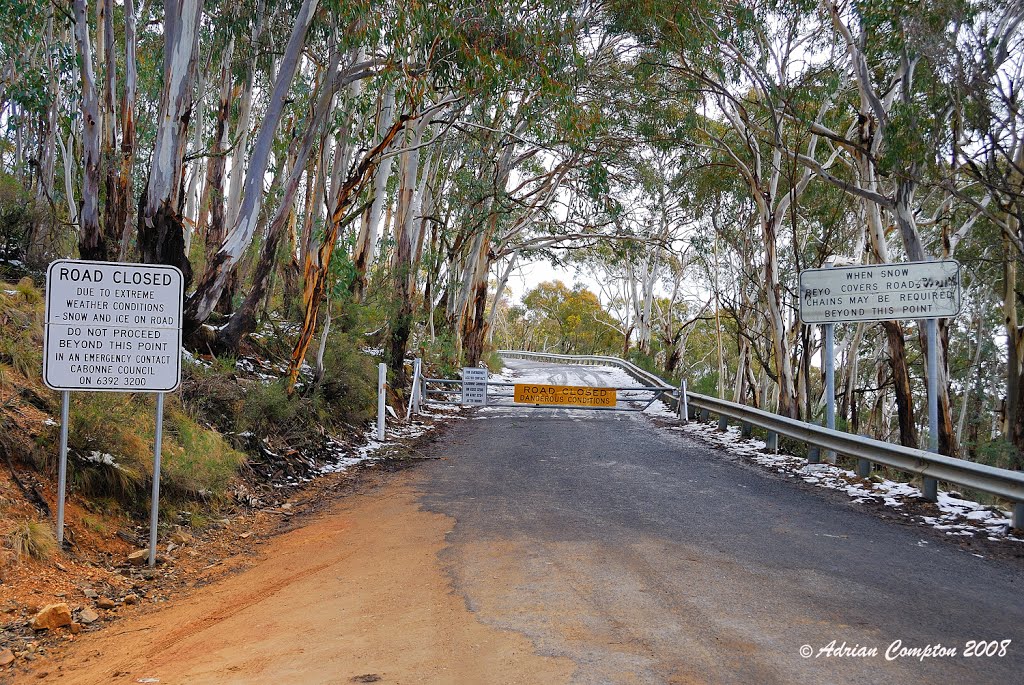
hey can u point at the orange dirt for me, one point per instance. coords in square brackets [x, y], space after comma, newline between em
[356, 595]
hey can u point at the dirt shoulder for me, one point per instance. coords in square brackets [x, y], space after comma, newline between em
[357, 594]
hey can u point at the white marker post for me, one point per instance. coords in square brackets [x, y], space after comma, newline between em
[414, 393]
[417, 380]
[684, 408]
[112, 327]
[382, 384]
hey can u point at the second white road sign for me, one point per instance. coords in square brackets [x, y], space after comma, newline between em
[880, 292]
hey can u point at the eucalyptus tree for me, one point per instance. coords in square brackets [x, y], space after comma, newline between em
[736, 68]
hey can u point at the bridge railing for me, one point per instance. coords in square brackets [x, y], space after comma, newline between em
[1000, 482]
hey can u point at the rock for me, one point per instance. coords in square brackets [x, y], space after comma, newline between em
[149, 573]
[181, 537]
[131, 598]
[138, 557]
[6, 657]
[90, 593]
[105, 603]
[87, 616]
[75, 628]
[52, 616]
[245, 535]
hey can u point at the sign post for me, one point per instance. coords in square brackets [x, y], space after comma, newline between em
[62, 477]
[930, 486]
[154, 507]
[830, 380]
[112, 327]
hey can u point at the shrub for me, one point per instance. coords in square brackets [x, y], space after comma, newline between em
[197, 461]
[212, 394]
[32, 539]
[349, 388]
[111, 437]
[21, 328]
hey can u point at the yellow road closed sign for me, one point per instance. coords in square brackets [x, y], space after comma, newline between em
[571, 395]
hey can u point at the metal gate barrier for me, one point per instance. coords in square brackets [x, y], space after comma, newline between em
[452, 392]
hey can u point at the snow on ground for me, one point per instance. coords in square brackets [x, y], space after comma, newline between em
[956, 516]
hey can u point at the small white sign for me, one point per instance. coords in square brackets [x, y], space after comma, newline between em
[474, 386]
[112, 326]
[880, 292]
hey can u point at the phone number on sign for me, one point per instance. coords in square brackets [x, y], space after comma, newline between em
[897, 649]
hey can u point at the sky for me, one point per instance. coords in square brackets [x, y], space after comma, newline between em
[532, 274]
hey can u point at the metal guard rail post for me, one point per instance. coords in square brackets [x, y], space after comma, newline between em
[1000, 482]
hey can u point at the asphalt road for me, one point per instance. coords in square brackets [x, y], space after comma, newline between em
[646, 557]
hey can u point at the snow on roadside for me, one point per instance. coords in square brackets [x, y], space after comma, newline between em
[371, 449]
[956, 516]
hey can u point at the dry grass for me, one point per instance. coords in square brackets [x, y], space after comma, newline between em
[33, 540]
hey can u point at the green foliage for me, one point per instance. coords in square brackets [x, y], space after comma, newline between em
[17, 214]
[1001, 454]
[443, 353]
[349, 387]
[572, 321]
[111, 439]
[197, 462]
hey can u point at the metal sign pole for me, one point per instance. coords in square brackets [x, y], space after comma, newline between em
[930, 485]
[62, 478]
[830, 384]
[382, 381]
[830, 378]
[154, 511]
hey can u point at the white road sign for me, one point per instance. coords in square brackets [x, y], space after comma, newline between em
[112, 326]
[880, 292]
[474, 385]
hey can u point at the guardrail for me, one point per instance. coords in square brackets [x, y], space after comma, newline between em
[1000, 482]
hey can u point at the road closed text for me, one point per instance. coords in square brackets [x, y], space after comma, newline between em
[574, 395]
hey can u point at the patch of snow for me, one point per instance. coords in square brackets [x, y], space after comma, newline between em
[97, 457]
[957, 516]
